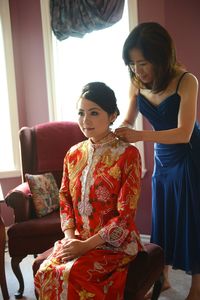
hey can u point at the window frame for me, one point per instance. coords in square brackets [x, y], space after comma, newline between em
[11, 84]
[49, 67]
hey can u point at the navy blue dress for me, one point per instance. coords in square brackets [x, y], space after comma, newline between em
[175, 188]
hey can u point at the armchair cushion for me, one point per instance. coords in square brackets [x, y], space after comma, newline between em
[44, 192]
[44, 232]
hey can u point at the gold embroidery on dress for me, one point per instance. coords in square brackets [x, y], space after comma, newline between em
[115, 172]
[84, 295]
[74, 169]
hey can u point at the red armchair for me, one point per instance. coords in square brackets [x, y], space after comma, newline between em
[43, 148]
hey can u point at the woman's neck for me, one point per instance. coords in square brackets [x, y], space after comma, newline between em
[106, 138]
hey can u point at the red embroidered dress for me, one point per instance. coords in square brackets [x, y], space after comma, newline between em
[99, 194]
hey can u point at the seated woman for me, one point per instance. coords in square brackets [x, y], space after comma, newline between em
[98, 200]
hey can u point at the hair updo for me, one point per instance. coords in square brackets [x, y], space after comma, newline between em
[102, 95]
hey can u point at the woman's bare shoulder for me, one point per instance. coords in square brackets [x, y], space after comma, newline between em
[185, 75]
[133, 90]
[188, 80]
[192, 77]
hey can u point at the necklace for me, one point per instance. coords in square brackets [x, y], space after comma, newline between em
[107, 138]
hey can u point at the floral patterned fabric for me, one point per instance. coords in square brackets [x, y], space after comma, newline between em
[44, 192]
[99, 194]
[78, 17]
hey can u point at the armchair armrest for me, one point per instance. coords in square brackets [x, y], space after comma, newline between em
[20, 200]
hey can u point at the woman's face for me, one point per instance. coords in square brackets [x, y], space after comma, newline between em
[93, 121]
[141, 67]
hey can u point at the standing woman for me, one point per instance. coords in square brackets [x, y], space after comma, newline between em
[166, 94]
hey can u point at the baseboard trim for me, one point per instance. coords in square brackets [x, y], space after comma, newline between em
[145, 238]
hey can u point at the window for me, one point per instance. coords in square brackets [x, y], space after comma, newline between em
[95, 57]
[76, 61]
[9, 148]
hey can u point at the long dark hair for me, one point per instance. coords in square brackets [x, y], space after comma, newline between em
[158, 48]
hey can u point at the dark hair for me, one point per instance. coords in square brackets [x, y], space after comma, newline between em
[158, 48]
[102, 95]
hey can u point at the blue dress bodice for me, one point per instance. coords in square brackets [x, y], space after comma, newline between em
[163, 117]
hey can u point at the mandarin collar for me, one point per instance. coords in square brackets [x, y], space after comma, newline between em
[111, 137]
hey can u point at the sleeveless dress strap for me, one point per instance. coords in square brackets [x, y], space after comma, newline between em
[180, 81]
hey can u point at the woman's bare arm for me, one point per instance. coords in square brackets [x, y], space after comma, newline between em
[188, 91]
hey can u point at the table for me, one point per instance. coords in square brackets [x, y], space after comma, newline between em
[3, 283]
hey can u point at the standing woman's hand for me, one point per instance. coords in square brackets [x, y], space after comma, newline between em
[128, 135]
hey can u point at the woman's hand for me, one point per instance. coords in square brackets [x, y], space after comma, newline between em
[128, 135]
[70, 249]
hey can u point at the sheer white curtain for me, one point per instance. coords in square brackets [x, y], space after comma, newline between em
[9, 148]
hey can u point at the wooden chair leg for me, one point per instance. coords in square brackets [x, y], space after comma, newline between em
[15, 261]
[3, 283]
[157, 288]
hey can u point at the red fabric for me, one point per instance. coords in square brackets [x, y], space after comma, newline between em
[38, 227]
[99, 274]
[111, 186]
[143, 271]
